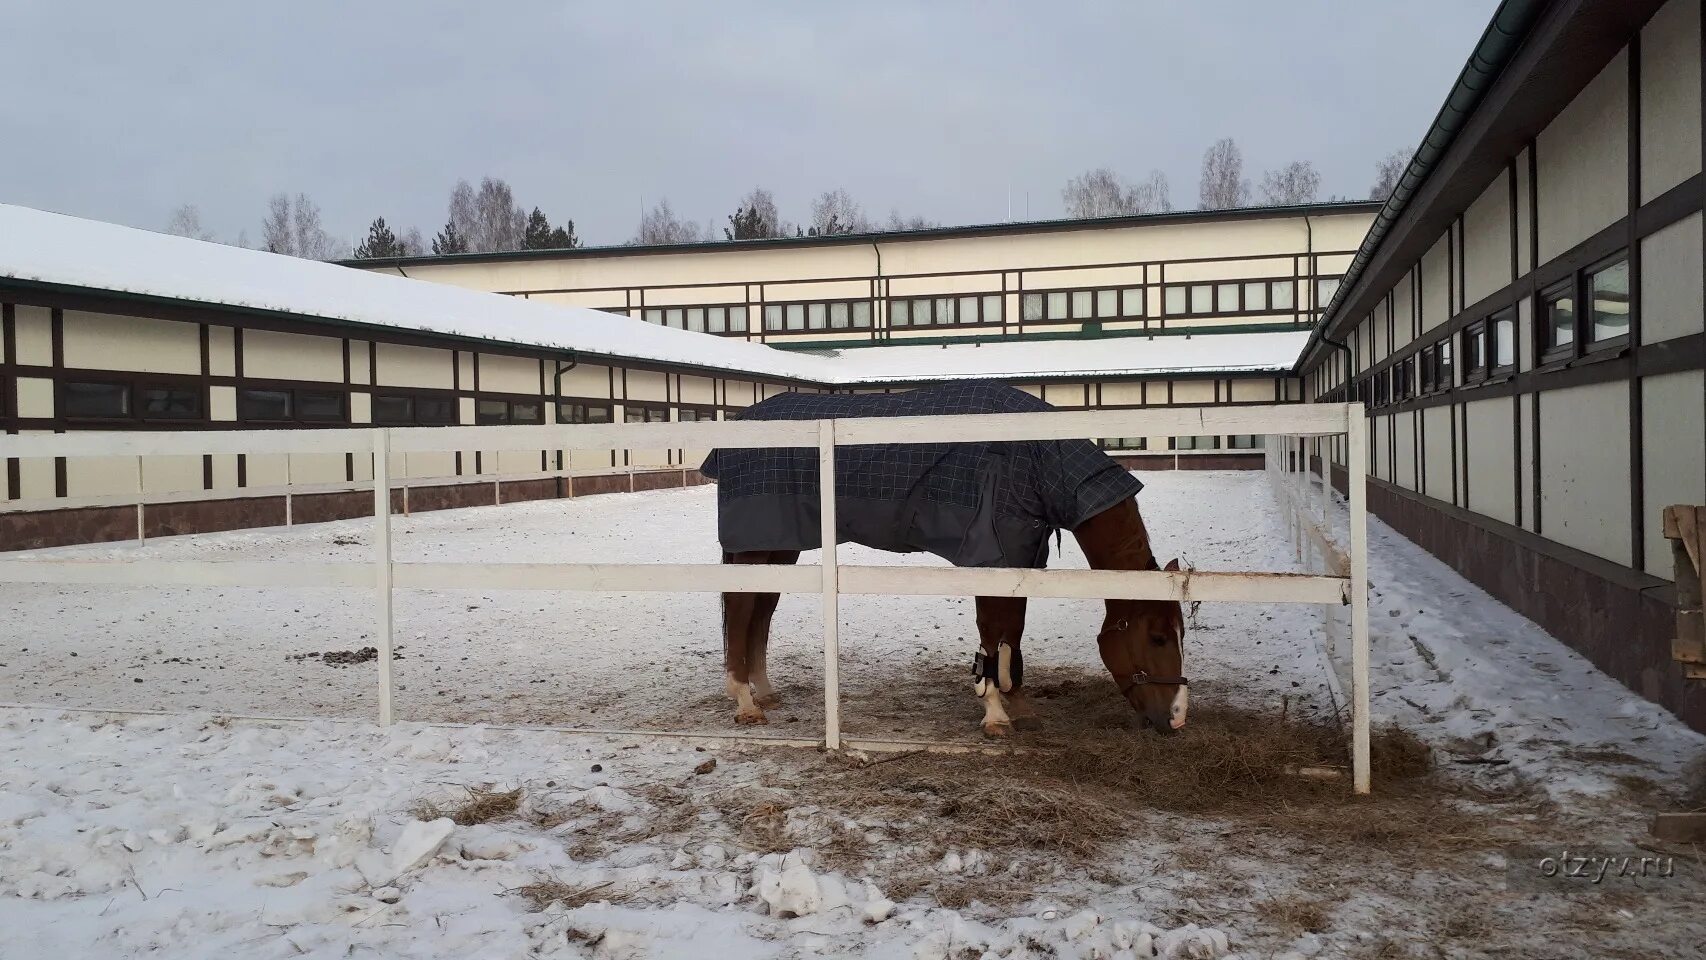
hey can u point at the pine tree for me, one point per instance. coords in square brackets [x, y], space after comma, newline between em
[540, 235]
[449, 240]
[564, 239]
[380, 242]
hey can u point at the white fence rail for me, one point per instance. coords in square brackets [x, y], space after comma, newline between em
[1344, 583]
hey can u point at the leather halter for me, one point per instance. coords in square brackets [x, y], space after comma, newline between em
[1142, 677]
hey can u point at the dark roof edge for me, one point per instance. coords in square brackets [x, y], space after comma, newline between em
[1509, 27]
[933, 233]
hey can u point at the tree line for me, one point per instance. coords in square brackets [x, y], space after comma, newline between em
[487, 218]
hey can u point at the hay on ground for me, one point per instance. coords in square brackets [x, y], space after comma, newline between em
[478, 805]
[543, 893]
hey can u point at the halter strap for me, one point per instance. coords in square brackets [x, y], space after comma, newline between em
[1141, 677]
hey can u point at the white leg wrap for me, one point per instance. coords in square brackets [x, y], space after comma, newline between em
[1004, 667]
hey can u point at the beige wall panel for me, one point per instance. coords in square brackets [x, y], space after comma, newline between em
[1670, 97]
[99, 476]
[504, 374]
[406, 366]
[1525, 462]
[698, 390]
[1436, 285]
[360, 364]
[1584, 468]
[222, 352]
[225, 472]
[1034, 390]
[593, 300]
[1525, 332]
[1192, 392]
[692, 296]
[35, 475]
[222, 403]
[587, 380]
[1126, 392]
[33, 328]
[463, 369]
[1673, 457]
[646, 385]
[1584, 163]
[316, 468]
[151, 346]
[1256, 391]
[1404, 444]
[1064, 394]
[1491, 459]
[518, 461]
[1080, 279]
[428, 464]
[1333, 264]
[264, 470]
[292, 356]
[35, 397]
[1381, 348]
[1487, 241]
[1670, 281]
[1436, 426]
[1401, 317]
[849, 289]
[1379, 443]
[171, 474]
[360, 407]
[465, 410]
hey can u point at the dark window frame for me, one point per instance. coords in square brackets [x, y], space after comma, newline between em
[1584, 314]
[586, 404]
[1136, 290]
[135, 385]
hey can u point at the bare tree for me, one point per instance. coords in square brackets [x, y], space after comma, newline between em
[500, 223]
[836, 212]
[755, 218]
[292, 227]
[186, 222]
[1103, 193]
[1296, 182]
[661, 225]
[1387, 172]
[897, 223]
[1223, 184]
[413, 244]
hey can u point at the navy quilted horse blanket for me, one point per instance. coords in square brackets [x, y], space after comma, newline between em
[984, 504]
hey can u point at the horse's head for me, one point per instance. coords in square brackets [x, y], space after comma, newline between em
[1143, 649]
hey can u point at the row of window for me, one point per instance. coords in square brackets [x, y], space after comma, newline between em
[1242, 441]
[1488, 348]
[1039, 306]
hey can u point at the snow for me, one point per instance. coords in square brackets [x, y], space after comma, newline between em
[43, 247]
[191, 834]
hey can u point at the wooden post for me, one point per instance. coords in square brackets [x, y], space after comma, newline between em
[382, 569]
[141, 529]
[1685, 528]
[1356, 453]
[831, 615]
[289, 505]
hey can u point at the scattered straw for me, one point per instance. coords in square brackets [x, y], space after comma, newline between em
[571, 895]
[478, 806]
[1294, 915]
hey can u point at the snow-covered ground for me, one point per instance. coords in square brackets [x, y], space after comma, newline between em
[191, 835]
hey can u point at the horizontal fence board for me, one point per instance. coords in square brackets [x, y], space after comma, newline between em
[1291, 418]
[1092, 584]
[609, 436]
[610, 577]
[132, 443]
[188, 573]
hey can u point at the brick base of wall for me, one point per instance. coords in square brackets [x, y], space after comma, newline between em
[1618, 618]
[58, 528]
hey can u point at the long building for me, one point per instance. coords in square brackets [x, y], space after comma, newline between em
[1522, 320]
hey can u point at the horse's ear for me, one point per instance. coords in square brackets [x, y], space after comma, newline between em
[1172, 564]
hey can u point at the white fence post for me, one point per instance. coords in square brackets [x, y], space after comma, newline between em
[1356, 455]
[831, 615]
[382, 564]
[289, 504]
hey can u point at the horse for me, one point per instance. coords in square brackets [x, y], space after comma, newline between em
[973, 504]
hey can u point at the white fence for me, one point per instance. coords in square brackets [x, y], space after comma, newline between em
[829, 579]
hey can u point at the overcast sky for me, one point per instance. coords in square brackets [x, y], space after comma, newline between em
[124, 111]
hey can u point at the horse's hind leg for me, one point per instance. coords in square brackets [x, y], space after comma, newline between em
[758, 638]
[999, 619]
[738, 610]
[1020, 706]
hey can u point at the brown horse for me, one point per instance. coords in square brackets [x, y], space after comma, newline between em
[1140, 640]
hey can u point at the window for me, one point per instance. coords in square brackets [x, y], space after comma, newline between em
[1202, 298]
[654, 315]
[796, 313]
[1081, 305]
[1031, 307]
[320, 406]
[635, 413]
[393, 409]
[992, 305]
[696, 414]
[900, 313]
[1325, 287]
[968, 309]
[1427, 369]
[264, 405]
[1475, 352]
[1255, 296]
[583, 411]
[1174, 301]
[1501, 340]
[1107, 303]
[817, 316]
[413, 409]
[674, 317]
[1558, 319]
[921, 313]
[696, 319]
[737, 319]
[716, 319]
[1131, 302]
[1124, 443]
[1608, 293]
[944, 311]
[862, 314]
[840, 315]
[95, 401]
[1057, 305]
[488, 412]
[1442, 366]
[1244, 441]
[170, 403]
[1282, 295]
[527, 411]
[1226, 297]
[1195, 443]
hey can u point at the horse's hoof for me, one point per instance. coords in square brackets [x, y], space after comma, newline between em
[998, 731]
[769, 701]
[1027, 723]
[755, 717]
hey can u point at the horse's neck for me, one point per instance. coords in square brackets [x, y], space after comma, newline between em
[1115, 539]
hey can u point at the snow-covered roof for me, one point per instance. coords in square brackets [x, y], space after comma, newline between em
[50, 248]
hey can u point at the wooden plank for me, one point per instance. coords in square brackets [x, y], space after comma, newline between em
[827, 536]
[1313, 418]
[610, 577]
[382, 567]
[1680, 827]
[133, 443]
[1184, 586]
[188, 573]
[1356, 453]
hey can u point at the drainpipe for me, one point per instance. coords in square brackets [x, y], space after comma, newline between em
[878, 250]
[556, 398]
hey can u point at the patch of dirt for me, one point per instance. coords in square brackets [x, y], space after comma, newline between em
[345, 658]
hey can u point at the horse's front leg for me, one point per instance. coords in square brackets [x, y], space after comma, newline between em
[1000, 620]
[738, 611]
[758, 638]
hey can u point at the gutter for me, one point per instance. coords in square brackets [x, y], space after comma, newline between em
[1504, 35]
